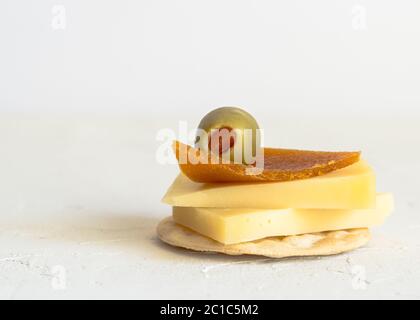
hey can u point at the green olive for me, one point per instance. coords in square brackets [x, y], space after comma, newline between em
[230, 126]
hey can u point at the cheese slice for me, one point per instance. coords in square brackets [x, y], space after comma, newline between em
[230, 226]
[350, 188]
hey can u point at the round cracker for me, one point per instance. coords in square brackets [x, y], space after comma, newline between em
[310, 244]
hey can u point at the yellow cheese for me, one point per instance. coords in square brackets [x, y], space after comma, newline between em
[349, 188]
[230, 226]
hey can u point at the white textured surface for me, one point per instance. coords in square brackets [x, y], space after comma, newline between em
[81, 194]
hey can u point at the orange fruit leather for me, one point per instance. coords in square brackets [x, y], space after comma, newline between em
[279, 165]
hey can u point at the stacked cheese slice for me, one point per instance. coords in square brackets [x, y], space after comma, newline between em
[238, 212]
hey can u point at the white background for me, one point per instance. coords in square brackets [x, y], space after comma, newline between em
[80, 108]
